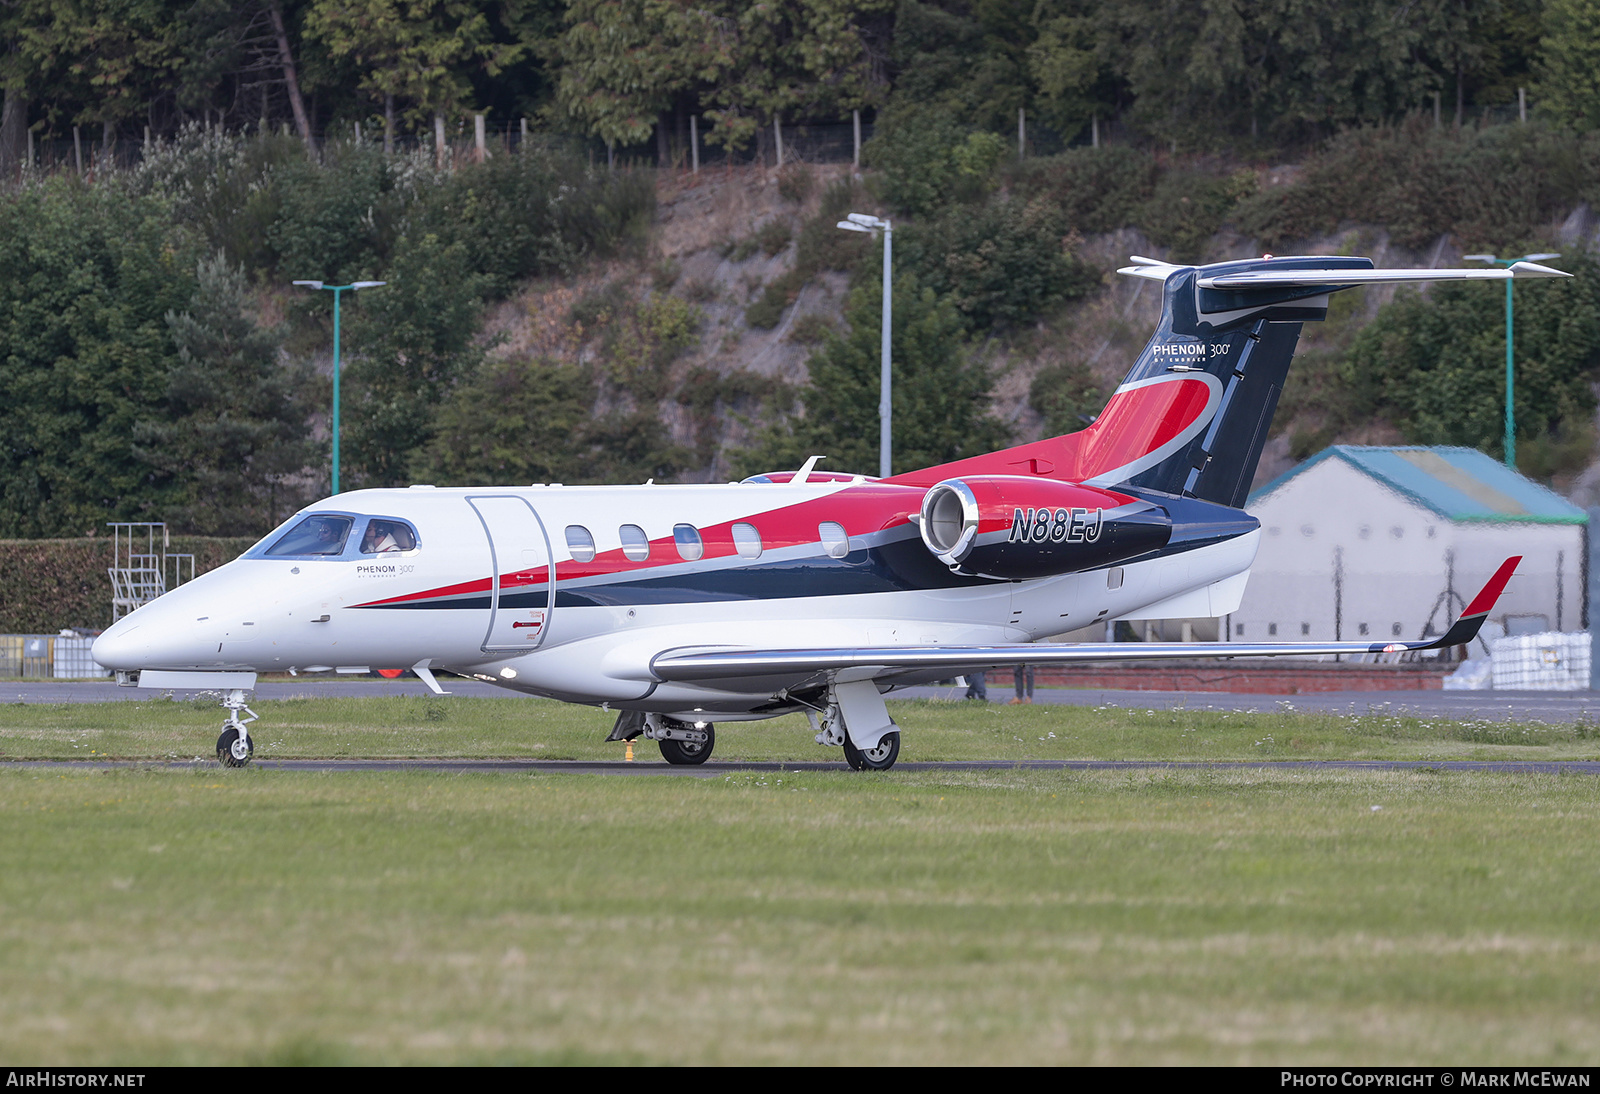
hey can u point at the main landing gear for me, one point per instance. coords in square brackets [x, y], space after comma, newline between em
[680, 742]
[858, 720]
[234, 747]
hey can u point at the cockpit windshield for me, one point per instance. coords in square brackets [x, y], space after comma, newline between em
[324, 534]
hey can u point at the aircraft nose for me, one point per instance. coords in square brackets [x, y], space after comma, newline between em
[121, 646]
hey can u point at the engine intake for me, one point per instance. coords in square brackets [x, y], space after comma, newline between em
[1013, 526]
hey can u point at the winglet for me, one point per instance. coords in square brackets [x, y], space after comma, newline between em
[1465, 629]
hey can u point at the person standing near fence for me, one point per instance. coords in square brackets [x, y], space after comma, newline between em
[976, 687]
[1022, 681]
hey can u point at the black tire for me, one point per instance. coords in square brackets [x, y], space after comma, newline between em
[881, 758]
[687, 752]
[225, 754]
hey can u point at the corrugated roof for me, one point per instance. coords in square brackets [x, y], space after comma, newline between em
[1460, 484]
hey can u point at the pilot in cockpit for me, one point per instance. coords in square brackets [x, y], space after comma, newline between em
[383, 536]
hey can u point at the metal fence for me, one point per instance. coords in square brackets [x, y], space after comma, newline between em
[49, 656]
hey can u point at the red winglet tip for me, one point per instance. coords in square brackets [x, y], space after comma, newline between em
[1491, 592]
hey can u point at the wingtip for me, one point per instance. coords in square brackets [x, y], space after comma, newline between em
[1465, 629]
[1490, 593]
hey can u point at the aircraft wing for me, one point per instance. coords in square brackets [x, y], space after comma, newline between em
[700, 663]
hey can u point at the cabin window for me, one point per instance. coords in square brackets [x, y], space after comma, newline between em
[746, 540]
[1363, 628]
[1238, 630]
[580, 543]
[1395, 630]
[1305, 630]
[687, 537]
[834, 540]
[635, 544]
[384, 536]
[1272, 630]
[318, 535]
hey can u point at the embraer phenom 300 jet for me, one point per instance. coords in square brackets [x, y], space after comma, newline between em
[684, 606]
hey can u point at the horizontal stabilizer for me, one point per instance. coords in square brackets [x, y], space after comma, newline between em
[702, 665]
[1340, 276]
[1272, 279]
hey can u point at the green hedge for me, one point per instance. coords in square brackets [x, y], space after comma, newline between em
[49, 584]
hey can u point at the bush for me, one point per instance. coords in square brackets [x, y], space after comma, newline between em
[49, 584]
[1188, 207]
[1004, 264]
[925, 161]
[1494, 188]
[1096, 189]
[533, 214]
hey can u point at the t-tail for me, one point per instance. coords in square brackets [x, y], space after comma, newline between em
[1193, 413]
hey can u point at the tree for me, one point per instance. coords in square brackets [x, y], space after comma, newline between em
[87, 277]
[940, 393]
[410, 343]
[623, 61]
[1569, 85]
[1435, 365]
[518, 421]
[419, 51]
[233, 432]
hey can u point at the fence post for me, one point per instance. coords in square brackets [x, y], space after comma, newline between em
[1094, 130]
[1522, 105]
[855, 159]
[479, 142]
[438, 140]
[523, 144]
[1022, 133]
[77, 149]
[777, 132]
[694, 141]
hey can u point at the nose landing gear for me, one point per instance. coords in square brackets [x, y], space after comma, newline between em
[234, 747]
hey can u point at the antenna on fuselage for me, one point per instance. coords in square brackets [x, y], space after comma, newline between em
[805, 469]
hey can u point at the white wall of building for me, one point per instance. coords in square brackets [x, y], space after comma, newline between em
[1342, 552]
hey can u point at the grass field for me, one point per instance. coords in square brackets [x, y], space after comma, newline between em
[168, 915]
[454, 727]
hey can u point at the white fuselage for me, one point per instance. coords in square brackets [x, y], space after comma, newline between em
[497, 584]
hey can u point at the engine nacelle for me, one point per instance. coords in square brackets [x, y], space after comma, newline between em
[1013, 526]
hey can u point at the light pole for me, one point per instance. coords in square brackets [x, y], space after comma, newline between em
[861, 222]
[336, 290]
[1511, 421]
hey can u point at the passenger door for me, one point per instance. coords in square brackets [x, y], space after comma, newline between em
[522, 585]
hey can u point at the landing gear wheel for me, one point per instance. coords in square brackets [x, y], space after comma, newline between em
[881, 758]
[232, 752]
[688, 752]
